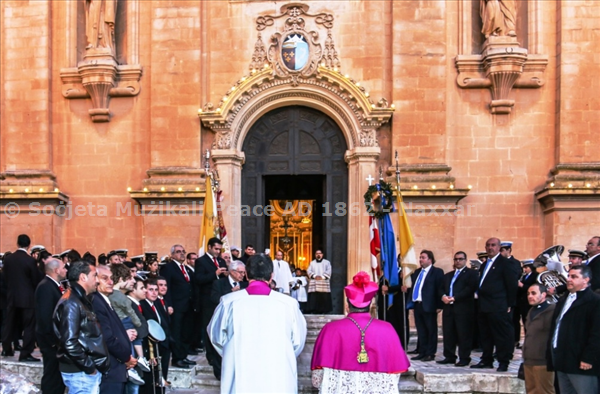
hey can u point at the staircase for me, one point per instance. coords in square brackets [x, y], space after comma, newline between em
[204, 381]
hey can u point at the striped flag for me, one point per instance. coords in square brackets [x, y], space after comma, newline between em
[375, 245]
[222, 231]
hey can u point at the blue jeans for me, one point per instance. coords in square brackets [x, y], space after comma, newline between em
[82, 383]
[132, 388]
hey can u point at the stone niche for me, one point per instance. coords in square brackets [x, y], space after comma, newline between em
[103, 40]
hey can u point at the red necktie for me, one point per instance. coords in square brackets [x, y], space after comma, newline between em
[216, 263]
[162, 302]
[62, 289]
[140, 308]
[184, 272]
[154, 309]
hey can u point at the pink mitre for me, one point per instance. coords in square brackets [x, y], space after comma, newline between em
[361, 291]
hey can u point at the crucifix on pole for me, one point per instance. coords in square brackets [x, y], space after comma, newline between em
[370, 179]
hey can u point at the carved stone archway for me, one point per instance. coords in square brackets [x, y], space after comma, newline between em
[328, 91]
[297, 68]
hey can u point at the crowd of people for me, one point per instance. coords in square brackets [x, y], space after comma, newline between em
[483, 306]
[116, 325]
[88, 313]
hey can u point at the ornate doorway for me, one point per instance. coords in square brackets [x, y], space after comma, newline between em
[285, 149]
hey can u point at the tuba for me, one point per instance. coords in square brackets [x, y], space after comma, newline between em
[555, 275]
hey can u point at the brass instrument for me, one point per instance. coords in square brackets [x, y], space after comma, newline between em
[155, 335]
[555, 275]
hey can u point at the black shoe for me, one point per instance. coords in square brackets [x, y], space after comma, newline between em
[518, 346]
[462, 364]
[419, 357]
[481, 365]
[18, 347]
[428, 358]
[413, 352]
[502, 368]
[193, 353]
[188, 362]
[8, 354]
[181, 364]
[29, 359]
[446, 361]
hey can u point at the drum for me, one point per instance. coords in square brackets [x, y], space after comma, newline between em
[155, 331]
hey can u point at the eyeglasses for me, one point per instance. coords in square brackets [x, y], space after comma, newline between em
[459, 259]
[240, 272]
[180, 251]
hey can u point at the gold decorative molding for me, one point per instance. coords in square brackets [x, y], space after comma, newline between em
[571, 187]
[427, 183]
[99, 77]
[502, 66]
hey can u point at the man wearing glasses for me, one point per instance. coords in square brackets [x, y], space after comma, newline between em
[235, 281]
[179, 295]
[459, 288]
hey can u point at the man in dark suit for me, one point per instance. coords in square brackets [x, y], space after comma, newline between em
[426, 296]
[459, 288]
[47, 295]
[118, 340]
[180, 296]
[209, 268]
[574, 346]
[235, 281]
[152, 310]
[22, 277]
[497, 297]
[506, 251]
[593, 251]
[196, 346]
[522, 307]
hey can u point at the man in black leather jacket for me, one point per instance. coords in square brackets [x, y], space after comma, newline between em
[82, 353]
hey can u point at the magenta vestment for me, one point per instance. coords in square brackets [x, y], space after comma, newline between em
[339, 343]
[258, 287]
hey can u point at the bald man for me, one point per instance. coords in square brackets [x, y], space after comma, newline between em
[47, 294]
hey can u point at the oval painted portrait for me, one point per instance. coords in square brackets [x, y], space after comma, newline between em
[294, 52]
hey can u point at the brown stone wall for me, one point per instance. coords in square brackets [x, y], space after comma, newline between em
[193, 52]
[578, 65]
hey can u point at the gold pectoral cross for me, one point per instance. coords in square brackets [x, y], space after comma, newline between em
[362, 356]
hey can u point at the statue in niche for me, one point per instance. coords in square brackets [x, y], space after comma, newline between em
[499, 17]
[100, 24]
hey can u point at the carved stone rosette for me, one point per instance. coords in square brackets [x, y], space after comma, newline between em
[502, 66]
[99, 77]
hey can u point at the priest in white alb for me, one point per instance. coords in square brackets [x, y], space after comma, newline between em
[259, 333]
[282, 275]
[319, 288]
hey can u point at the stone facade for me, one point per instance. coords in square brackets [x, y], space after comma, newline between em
[506, 128]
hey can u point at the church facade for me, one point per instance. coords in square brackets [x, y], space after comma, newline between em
[109, 107]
